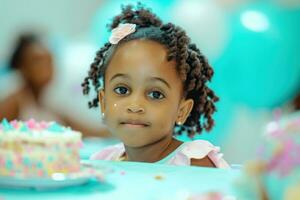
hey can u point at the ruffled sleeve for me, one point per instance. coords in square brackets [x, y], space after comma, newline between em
[199, 149]
[113, 152]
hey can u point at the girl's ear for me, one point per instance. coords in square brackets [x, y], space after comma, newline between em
[101, 100]
[185, 109]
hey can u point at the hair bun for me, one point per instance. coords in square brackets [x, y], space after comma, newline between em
[139, 15]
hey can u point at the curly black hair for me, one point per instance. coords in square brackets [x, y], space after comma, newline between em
[192, 66]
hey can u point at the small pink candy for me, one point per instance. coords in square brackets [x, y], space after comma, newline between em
[2, 162]
[15, 124]
[26, 170]
[19, 159]
[29, 149]
[44, 125]
[31, 124]
[80, 144]
[122, 173]
[40, 173]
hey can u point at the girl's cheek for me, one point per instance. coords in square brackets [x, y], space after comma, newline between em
[115, 107]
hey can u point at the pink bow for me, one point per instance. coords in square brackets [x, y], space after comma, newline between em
[120, 32]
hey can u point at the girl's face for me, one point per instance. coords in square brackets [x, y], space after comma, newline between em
[142, 99]
[36, 65]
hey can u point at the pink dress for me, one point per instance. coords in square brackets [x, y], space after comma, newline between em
[196, 149]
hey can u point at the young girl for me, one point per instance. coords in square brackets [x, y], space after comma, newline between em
[153, 79]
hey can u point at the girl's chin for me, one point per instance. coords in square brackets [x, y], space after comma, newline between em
[134, 143]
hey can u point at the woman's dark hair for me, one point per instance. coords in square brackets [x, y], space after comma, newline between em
[191, 65]
[22, 43]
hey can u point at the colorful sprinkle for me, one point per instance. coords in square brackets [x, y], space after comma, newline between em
[159, 177]
[32, 124]
[122, 173]
[26, 161]
[55, 127]
[39, 165]
[9, 164]
[6, 125]
[15, 124]
[24, 128]
[44, 125]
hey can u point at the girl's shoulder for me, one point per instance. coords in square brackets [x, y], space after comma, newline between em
[199, 149]
[183, 155]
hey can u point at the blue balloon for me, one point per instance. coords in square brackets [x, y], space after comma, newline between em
[109, 9]
[260, 66]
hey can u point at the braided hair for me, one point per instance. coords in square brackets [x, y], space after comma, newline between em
[191, 65]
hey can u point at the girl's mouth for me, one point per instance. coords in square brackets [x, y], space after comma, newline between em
[135, 124]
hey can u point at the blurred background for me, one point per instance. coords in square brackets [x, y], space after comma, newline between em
[253, 46]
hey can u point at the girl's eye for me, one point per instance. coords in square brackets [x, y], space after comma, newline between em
[156, 95]
[121, 90]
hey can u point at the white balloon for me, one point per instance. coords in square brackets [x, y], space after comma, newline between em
[205, 22]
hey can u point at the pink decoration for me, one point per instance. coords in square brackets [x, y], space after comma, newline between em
[92, 171]
[80, 144]
[122, 173]
[277, 114]
[26, 171]
[15, 124]
[2, 161]
[207, 196]
[120, 32]
[32, 124]
[29, 149]
[44, 125]
[19, 159]
[40, 173]
[287, 160]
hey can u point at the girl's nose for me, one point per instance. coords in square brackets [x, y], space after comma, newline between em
[135, 109]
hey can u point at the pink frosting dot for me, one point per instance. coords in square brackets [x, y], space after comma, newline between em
[26, 171]
[80, 144]
[44, 125]
[2, 162]
[29, 149]
[32, 124]
[19, 159]
[15, 124]
[40, 173]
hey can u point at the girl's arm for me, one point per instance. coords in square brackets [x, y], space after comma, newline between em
[9, 108]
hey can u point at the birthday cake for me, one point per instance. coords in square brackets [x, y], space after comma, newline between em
[275, 174]
[38, 149]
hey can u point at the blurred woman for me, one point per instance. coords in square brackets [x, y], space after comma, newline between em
[34, 62]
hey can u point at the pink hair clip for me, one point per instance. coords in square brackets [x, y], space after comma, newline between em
[120, 32]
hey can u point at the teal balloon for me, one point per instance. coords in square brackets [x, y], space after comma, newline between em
[261, 68]
[223, 118]
[107, 10]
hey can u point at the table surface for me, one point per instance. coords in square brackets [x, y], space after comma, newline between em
[131, 180]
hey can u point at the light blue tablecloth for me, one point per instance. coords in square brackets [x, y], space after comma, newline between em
[130, 180]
